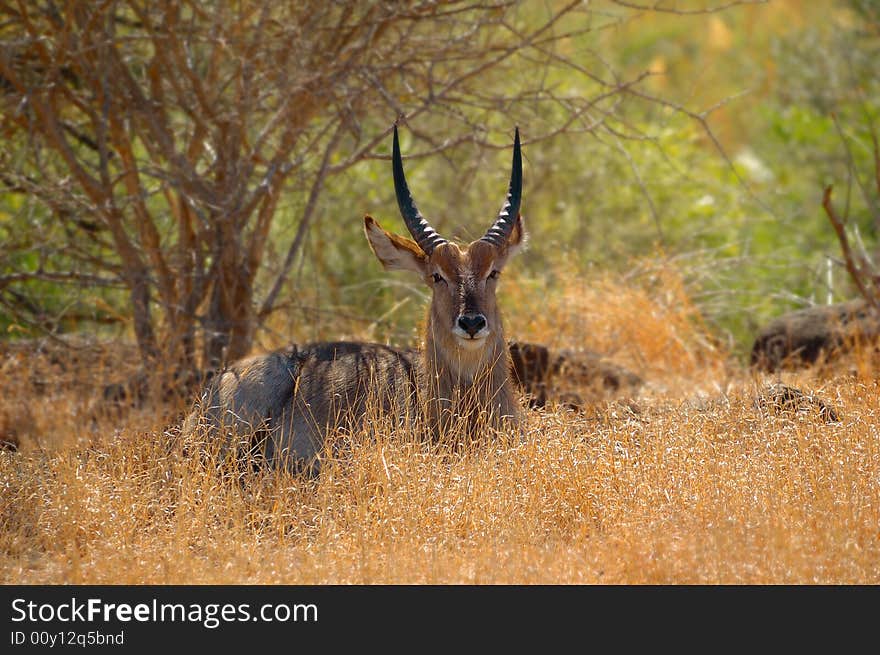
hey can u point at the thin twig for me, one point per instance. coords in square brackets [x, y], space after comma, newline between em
[304, 222]
[657, 7]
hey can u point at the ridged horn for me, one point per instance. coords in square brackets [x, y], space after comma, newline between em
[425, 235]
[503, 225]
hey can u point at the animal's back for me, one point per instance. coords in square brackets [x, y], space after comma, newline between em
[295, 398]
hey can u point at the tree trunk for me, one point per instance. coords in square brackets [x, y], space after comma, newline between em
[230, 320]
[143, 326]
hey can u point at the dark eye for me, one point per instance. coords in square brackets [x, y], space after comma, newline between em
[494, 275]
[438, 278]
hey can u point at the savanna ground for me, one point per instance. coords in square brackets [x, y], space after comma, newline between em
[687, 481]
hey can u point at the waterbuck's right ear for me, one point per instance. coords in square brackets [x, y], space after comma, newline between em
[396, 253]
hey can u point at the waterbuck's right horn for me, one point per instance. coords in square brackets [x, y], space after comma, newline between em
[425, 235]
[502, 227]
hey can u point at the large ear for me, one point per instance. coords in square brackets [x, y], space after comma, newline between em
[396, 253]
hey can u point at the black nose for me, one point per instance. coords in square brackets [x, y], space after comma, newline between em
[471, 322]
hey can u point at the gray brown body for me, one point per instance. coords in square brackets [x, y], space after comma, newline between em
[290, 401]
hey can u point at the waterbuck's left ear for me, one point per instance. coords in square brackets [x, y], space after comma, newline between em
[518, 238]
[515, 242]
[396, 253]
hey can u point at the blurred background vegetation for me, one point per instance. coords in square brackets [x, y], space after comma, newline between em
[714, 164]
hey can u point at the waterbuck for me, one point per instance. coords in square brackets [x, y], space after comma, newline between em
[458, 383]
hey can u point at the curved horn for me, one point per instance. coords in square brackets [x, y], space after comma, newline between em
[425, 235]
[499, 232]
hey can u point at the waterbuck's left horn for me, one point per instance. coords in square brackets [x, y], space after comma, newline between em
[503, 225]
[425, 235]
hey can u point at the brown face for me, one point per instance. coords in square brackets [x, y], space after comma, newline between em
[464, 313]
[464, 283]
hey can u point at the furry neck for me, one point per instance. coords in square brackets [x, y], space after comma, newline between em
[470, 385]
[445, 358]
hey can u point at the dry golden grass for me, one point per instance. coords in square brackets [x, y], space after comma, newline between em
[692, 483]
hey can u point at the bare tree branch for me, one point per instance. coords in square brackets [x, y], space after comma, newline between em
[304, 222]
[857, 270]
[659, 6]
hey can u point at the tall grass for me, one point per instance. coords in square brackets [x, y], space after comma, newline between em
[691, 483]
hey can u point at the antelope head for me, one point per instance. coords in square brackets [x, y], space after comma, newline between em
[463, 321]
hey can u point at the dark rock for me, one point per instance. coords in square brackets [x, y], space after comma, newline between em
[800, 338]
[782, 400]
[548, 376]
